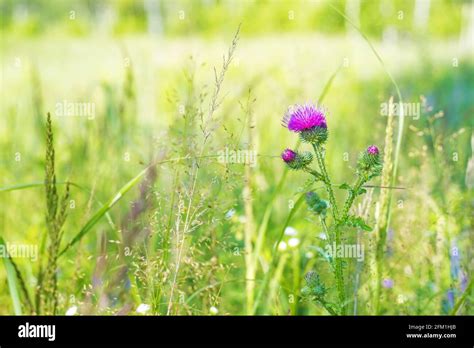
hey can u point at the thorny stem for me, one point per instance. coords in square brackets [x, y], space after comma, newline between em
[326, 181]
[350, 199]
[338, 272]
[339, 275]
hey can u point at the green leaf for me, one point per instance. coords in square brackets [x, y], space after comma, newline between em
[41, 183]
[104, 209]
[12, 281]
[324, 254]
[295, 208]
[357, 221]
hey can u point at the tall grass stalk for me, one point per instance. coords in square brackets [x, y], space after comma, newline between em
[56, 213]
[380, 231]
[251, 258]
[207, 126]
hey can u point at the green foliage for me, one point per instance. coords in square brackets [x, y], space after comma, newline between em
[155, 219]
[207, 18]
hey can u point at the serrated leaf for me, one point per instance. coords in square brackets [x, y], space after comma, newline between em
[345, 187]
[357, 221]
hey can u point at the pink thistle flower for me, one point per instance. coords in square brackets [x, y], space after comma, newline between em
[373, 150]
[304, 117]
[288, 155]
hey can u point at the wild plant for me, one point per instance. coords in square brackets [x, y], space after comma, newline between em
[174, 268]
[56, 213]
[309, 122]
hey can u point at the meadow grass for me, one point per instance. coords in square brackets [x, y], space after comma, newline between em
[186, 234]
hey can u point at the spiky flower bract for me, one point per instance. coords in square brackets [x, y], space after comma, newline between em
[314, 285]
[309, 121]
[370, 162]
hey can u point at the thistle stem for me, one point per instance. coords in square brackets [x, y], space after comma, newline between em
[327, 181]
[350, 199]
[338, 271]
[339, 275]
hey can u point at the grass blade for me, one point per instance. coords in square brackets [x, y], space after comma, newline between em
[12, 281]
[275, 248]
[33, 185]
[328, 85]
[41, 183]
[462, 299]
[104, 209]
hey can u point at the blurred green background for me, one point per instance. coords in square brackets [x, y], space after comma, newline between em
[148, 69]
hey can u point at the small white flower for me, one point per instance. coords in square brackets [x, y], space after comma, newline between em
[230, 213]
[293, 242]
[401, 299]
[72, 310]
[309, 255]
[282, 246]
[322, 236]
[213, 310]
[290, 231]
[143, 308]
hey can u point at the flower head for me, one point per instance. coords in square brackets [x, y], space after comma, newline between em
[307, 120]
[72, 310]
[293, 242]
[288, 155]
[314, 286]
[370, 162]
[304, 117]
[143, 308]
[296, 160]
[387, 283]
[290, 231]
[315, 204]
[373, 150]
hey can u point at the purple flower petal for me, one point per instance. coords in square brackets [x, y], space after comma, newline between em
[304, 117]
[373, 150]
[288, 155]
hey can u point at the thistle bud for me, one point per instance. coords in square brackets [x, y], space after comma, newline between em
[314, 285]
[370, 163]
[316, 204]
[296, 160]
